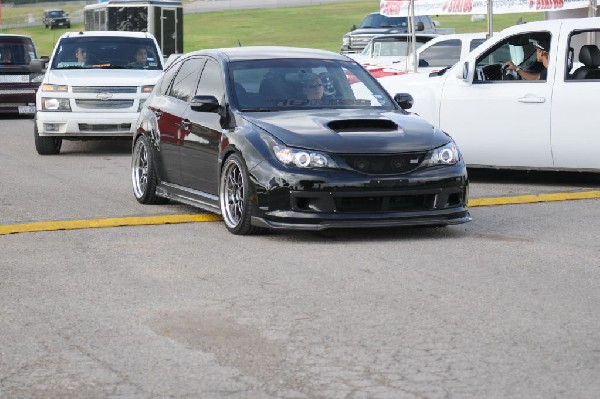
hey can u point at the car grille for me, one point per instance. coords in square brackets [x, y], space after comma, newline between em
[104, 89]
[88, 127]
[376, 201]
[360, 41]
[107, 104]
[384, 164]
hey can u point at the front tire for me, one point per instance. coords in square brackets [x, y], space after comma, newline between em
[46, 145]
[237, 207]
[143, 173]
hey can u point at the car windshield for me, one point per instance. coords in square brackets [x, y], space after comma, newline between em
[381, 21]
[284, 84]
[16, 51]
[56, 14]
[106, 52]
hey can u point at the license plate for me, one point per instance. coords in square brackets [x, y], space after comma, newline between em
[26, 109]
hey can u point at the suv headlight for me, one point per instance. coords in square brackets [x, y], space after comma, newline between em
[55, 104]
[445, 155]
[303, 158]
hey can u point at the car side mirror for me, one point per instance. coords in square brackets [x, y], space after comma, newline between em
[353, 27]
[404, 100]
[205, 104]
[38, 66]
[420, 26]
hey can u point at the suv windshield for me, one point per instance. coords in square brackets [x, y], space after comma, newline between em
[16, 50]
[106, 52]
[283, 84]
[56, 14]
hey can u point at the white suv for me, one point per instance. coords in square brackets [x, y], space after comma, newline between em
[94, 87]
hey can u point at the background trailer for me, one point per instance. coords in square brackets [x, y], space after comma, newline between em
[164, 19]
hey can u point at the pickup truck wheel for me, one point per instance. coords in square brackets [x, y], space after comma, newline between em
[46, 145]
[237, 207]
[143, 173]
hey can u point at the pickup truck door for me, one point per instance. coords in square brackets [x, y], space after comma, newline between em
[575, 131]
[503, 123]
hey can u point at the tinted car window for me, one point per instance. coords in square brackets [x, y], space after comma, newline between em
[211, 83]
[165, 83]
[290, 83]
[184, 83]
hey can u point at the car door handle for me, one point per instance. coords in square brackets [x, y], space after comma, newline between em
[532, 99]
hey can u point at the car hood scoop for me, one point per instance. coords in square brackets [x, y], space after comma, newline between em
[348, 131]
[363, 125]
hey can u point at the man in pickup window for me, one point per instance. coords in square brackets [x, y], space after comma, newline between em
[542, 49]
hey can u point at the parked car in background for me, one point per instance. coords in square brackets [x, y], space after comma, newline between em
[502, 120]
[435, 55]
[390, 49]
[95, 86]
[376, 24]
[282, 138]
[56, 19]
[18, 83]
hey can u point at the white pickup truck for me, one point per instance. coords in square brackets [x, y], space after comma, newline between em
[500, 120]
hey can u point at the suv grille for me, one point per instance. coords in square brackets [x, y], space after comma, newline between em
[108, 104]
[87, 127]
[104, 89]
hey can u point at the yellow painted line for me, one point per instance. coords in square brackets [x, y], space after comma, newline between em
[109, 222]
[528, 199]
[209, 217]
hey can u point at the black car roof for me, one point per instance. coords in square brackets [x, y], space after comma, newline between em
[268, 52]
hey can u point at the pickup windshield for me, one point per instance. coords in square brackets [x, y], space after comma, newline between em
[381, 21]
[16, 50]
[106, 52]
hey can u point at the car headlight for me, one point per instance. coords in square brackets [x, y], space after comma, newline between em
[303, 158]
[445, 155]
[56, 104]
[346, 40]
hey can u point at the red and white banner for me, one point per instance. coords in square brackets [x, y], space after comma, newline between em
[400, 8]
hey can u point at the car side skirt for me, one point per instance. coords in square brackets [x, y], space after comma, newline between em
[188, 196]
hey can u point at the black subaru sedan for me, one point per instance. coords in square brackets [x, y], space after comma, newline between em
[289, 138]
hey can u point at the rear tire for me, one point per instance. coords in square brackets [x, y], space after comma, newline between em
[46, 145]
[143, 173]
[237, 207]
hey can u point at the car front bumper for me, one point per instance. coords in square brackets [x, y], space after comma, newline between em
[341, 199]
[17, 100]
[81, 124]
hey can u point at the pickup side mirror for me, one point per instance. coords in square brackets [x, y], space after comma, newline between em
[38, 66]
[420, 26]
[205, 104]
[404, 100]
[353, 27]
[463, 73]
